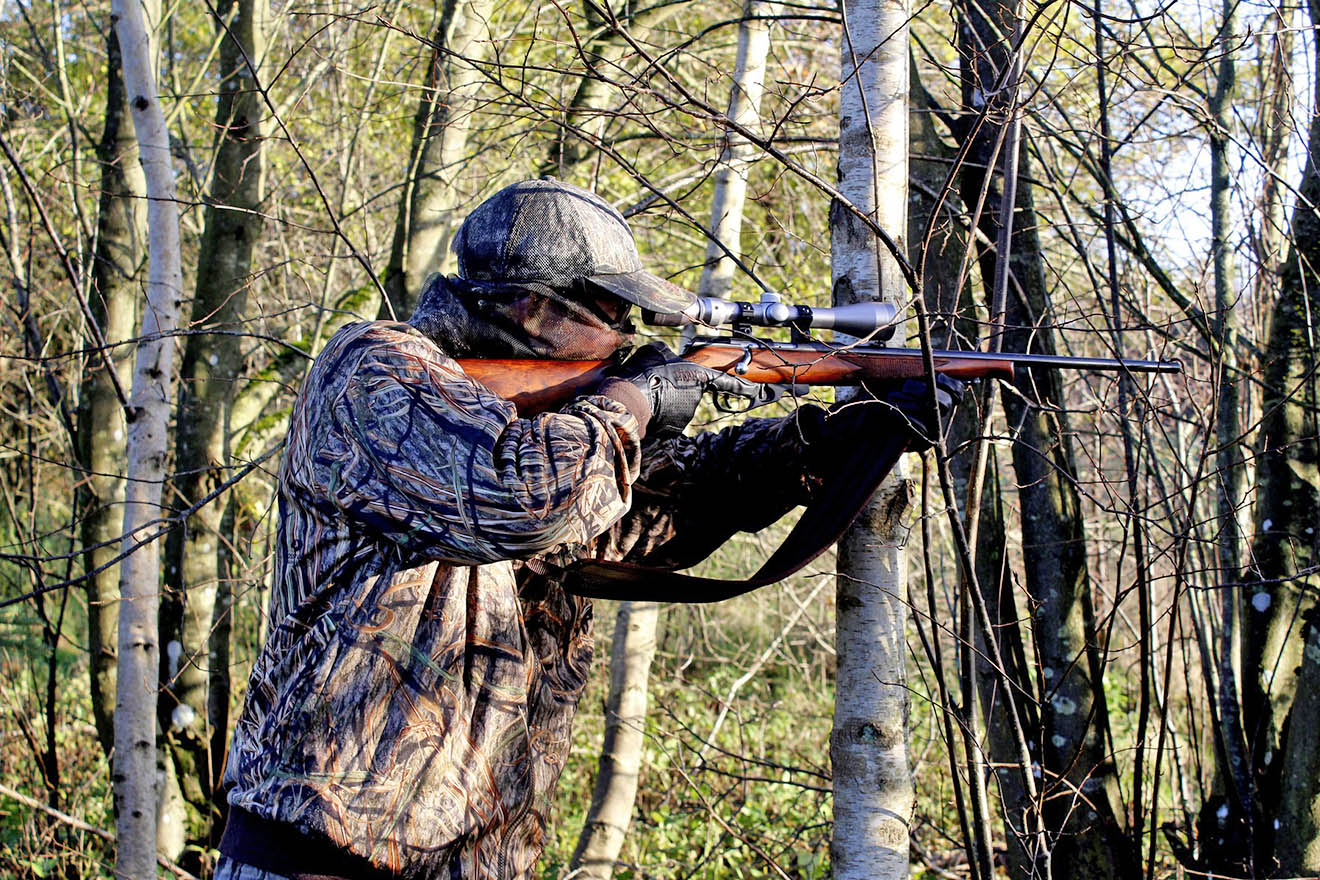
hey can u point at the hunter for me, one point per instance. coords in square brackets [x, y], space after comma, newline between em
[410, 711]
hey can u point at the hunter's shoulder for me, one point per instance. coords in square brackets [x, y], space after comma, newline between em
[374, 346]
[380, 336]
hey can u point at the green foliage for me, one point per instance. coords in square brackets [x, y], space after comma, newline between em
[719, 807]
[33, 843]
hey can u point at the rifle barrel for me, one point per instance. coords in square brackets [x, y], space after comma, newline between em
[1063, 362]
[1031, 361]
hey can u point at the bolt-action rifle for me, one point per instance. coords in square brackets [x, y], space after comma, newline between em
[781, 367]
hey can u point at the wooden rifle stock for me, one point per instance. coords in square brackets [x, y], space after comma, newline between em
[536, 386]
[801, 365]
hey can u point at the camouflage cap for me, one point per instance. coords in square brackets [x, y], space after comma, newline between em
[555, 233]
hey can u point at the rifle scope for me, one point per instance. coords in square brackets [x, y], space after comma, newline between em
[872, 319]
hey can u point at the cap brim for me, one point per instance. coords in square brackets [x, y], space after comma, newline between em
[648, 291]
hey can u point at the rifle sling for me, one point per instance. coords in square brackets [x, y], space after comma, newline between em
[824, 521]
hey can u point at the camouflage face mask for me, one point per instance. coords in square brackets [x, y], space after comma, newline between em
[521, 320]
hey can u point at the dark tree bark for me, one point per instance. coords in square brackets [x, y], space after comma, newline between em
[1079, 787]
[1282, 692]
[1234, 764]
[940, 252]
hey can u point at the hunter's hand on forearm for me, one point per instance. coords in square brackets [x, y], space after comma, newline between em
[909, 401]
[833, 439]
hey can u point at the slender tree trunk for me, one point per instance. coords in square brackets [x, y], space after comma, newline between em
[116, 276]
[207, 383]
[440, 132]
[222, 625]
[1283, 616]
[948, 298]
[1082, 786]
[635, 628]
[621, 754]
[1230, 475]
[139, 582]
[1274, 132]
[726, 214]
[1081, 805]
[873, 792]
[251, 422]
[602, 53]
[1272, 626]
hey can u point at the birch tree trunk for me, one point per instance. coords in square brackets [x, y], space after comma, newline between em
[440, 132]
[621, 754]
[873, 793]
[134, 772]
[726, 213]
[208, 375]
[121, 241]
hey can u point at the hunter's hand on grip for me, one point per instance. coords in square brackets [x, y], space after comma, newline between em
[674, 386]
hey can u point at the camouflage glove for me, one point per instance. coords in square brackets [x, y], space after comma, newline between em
[833, 438]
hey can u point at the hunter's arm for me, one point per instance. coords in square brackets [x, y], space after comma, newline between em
[695, 492]
[432, 460]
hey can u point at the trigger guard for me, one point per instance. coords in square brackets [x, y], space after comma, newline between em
[722, 399]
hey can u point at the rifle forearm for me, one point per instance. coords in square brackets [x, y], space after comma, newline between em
[802, 365]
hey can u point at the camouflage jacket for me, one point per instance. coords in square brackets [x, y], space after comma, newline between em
[413, 701]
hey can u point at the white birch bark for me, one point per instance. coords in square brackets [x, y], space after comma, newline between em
[621, 754]
[873, 792]
[635, 626]
[135, 702]
[726, 212]
[121, 238]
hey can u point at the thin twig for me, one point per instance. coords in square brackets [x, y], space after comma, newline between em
[75, 822]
